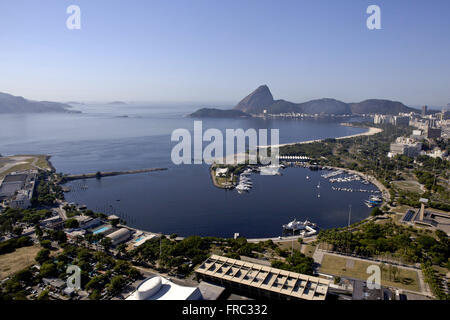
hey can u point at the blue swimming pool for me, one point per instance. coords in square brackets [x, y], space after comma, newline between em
[139, 239]
[102, 229]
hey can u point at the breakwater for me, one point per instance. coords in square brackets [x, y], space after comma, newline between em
[100, 174]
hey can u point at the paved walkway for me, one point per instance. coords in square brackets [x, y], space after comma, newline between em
[318, 255]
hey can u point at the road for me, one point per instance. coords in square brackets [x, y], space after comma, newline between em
[283, 239]
[60, 211]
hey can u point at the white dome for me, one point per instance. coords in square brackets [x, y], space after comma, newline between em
[149, 288]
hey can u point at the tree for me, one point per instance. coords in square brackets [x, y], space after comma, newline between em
[17, 231]
[71, 223]
[376, 212]
[115, 284]
[122, 248]
[38, 231]
[42, 256]
[59, 236]
[43, 295]
[48, 269]
[106, 243]
[95, 295]
[24, 242]
[24, 275]
[46, 244]
[394, 271]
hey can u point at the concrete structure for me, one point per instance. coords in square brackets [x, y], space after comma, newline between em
[22, 199]
[383, 119]
[444, 115]
[436, 153]
[73, 235]
[86, 222]
[434, 133]
[221, 172]
[362, 292]
[405, 146]
[52, 222]
[262, 281]
[428, 218]
[210, 291]
[119, 236]
[55, 283]
[416, 134]
[401, 121]
[159, 288]
[17, 189]
[424, 111]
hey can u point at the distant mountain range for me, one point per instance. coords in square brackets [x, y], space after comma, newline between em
[262, 100]
[117, 103]
[15, 104]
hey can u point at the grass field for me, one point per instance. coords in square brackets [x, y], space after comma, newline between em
[411, 186]
[308, 250]
[347, 267]
[22, 163]
[287, 245]
[13, 262]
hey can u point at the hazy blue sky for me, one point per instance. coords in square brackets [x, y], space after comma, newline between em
[211, 50]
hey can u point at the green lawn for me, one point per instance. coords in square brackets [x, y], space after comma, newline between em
[347, 267]
[411, 186]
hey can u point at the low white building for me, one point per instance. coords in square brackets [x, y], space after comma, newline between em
[436, 153]
[405, 146]
[22, 200]
[159, 288]
[86, 222]
[119, 236]
[221, 172]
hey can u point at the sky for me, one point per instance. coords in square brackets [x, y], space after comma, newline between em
[220, 51]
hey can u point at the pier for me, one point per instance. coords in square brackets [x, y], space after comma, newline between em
[99, 174]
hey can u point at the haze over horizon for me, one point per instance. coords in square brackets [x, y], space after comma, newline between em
[198, 50]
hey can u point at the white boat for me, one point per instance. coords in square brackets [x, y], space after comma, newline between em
[241, 187]
[308, 227]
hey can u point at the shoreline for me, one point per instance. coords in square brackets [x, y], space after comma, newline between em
[370, 131]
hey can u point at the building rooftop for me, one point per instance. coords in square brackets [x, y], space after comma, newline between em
[15, 178]
[265, 278]
[159, 288]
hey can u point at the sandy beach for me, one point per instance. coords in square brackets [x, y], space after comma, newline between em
[232, 158]
[369, 132]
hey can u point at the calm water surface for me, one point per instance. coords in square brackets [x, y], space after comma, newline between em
[181, 200]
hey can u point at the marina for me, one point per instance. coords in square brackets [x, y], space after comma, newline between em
[182, 199]
[257, 212]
